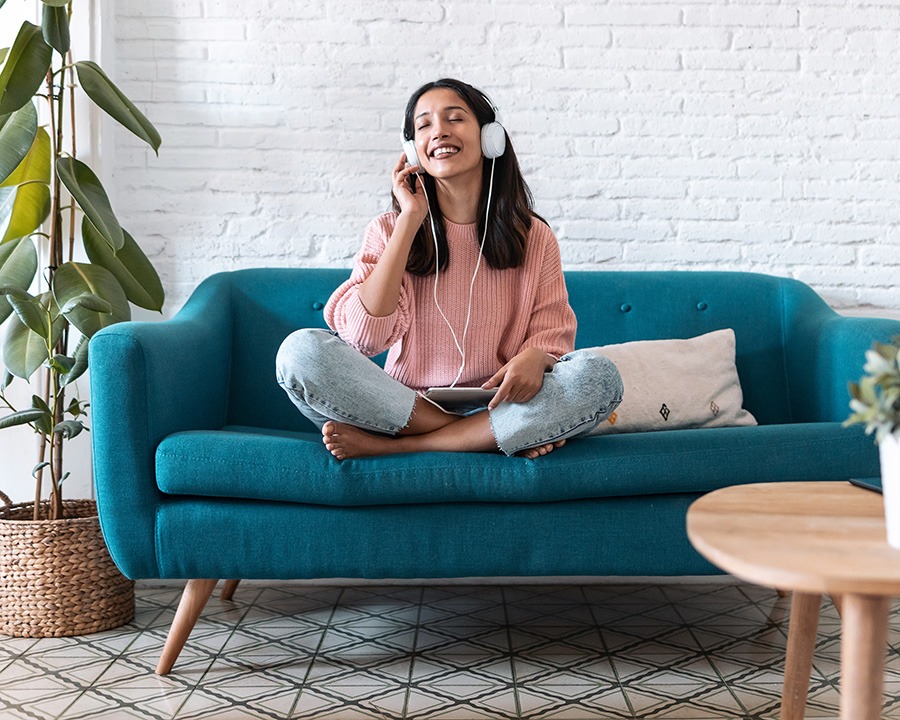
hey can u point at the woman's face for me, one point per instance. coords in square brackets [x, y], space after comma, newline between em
[447, 135]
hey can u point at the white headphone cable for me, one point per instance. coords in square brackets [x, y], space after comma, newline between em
[435, 286]
[487, 214]
[460, 348]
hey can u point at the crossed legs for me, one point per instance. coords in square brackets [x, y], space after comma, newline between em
[362, 411]
[429, 429]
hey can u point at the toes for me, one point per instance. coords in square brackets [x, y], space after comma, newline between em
[539, 450]
[336, 451]
[330, 430]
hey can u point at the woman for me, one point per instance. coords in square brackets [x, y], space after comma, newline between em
[421, 290]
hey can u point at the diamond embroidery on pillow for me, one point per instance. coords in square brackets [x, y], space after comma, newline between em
[714, 408]
[664, 411]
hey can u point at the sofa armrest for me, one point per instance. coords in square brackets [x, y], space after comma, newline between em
[148, 380]
[824, 351]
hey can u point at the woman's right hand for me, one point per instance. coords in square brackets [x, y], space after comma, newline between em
[380, 291]
[413, 204]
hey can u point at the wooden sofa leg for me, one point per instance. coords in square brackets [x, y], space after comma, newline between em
[228, 589]
[193, 600]
[838, 603]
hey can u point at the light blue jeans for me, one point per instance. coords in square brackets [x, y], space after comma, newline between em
[329, 380]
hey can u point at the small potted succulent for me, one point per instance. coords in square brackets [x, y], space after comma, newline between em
[875, 402]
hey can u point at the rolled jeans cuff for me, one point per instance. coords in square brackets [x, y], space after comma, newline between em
[579, 392]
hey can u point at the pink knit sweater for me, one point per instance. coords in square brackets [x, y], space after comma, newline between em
[512, 309]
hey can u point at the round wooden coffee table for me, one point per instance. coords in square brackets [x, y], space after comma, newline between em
[811, 538]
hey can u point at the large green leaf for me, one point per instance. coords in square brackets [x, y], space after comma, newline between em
[131, 267]
[18, 266]
[29, 310]
[24, 351]
[21, 417]
[69, 428]
[87, 301]
[17, 133]
[35, 166]
[55, 27]
[25, 194]
[43, 424]
[109, 98]
[80, 366]
[86, 188]
[22, 209]
[25, 67]
[73, 280]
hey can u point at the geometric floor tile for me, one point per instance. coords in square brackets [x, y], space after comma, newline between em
[656, 649]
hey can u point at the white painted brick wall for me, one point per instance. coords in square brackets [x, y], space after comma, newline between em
[754, 135]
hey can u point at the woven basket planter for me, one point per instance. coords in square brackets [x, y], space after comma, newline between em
[56, 576]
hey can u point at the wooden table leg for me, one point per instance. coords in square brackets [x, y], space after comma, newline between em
[863, 647]
[801, 643]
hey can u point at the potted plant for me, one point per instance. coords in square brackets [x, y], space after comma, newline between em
[875, 401]
[56, 577]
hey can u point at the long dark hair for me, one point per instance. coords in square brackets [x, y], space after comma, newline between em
[511, 202]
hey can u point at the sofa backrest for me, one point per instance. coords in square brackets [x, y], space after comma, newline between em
[612, 307]
[617, 307]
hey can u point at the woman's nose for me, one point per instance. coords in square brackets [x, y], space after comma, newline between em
[438, 130]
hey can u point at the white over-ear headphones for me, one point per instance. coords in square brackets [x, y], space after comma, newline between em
[493, 145]
[493, 139]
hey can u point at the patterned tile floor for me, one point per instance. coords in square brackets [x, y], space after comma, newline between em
[672, 650]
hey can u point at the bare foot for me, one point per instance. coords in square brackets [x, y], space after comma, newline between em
[465, 434]
[532, 453]
[345, 441]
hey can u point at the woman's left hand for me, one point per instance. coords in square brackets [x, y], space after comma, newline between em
[521, 378]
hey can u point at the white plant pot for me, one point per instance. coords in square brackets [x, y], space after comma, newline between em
[889, 453]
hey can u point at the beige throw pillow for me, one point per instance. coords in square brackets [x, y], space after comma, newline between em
[671, 384]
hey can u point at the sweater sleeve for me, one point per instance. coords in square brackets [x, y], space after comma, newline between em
[345, 312]
[552, 324]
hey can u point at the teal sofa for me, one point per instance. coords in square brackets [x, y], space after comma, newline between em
[205, 470]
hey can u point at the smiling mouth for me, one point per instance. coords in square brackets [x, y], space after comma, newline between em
[443, 152]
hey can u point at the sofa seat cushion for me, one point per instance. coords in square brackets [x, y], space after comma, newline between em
[258, 464]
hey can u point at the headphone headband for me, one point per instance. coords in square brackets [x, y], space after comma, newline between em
[493, 107]
[493, 136]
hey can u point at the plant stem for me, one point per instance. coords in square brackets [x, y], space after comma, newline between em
[56, 452]
[9, 405]
[74, 149]
[57, 117]
[44, 440]
[42, 446]
[56, 439]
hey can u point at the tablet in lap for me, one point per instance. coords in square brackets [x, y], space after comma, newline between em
[454, 397]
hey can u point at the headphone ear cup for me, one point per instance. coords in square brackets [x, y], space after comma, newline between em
[493, 140]
[409, 147]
